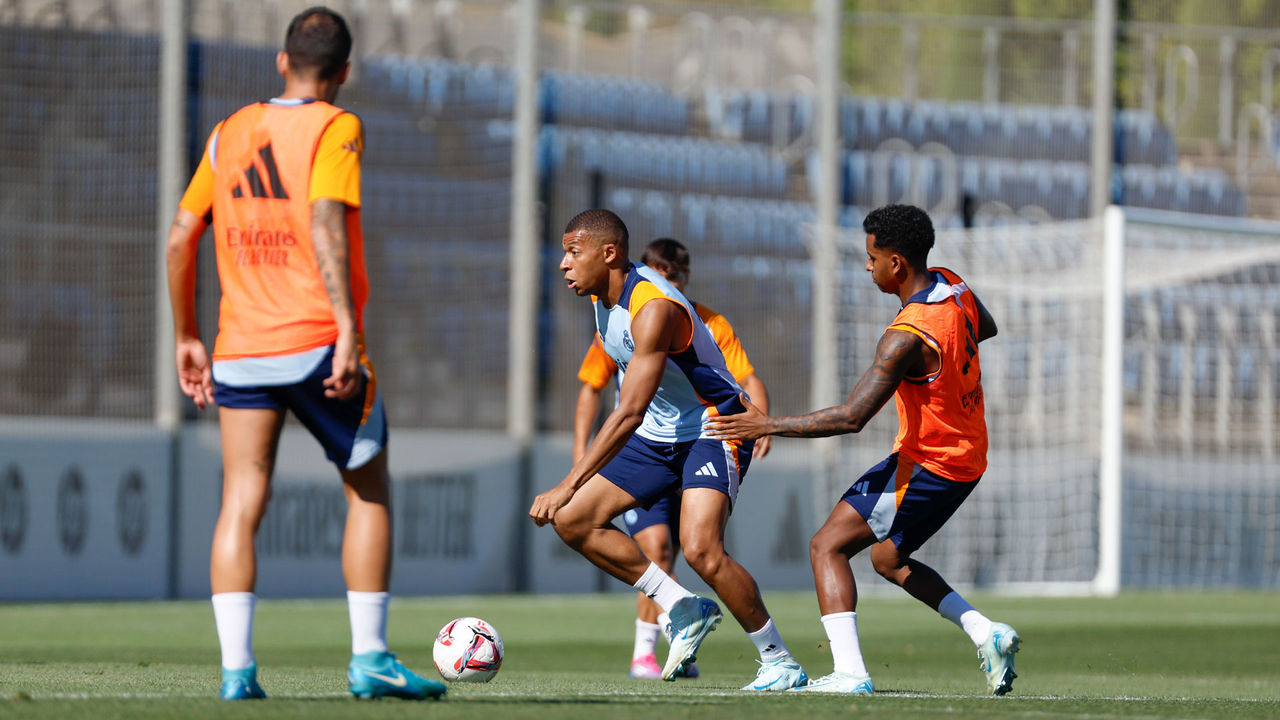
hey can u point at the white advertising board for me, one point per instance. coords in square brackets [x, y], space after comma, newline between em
[453, 496]
[87, 511]
[84, 510]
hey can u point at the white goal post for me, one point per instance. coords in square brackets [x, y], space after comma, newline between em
[1131, 403]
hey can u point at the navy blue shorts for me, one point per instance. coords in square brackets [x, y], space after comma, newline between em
[649, 470]
[664, 512]
[352, 431]
[905, 503]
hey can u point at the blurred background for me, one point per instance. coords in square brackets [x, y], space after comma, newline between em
[703, 121]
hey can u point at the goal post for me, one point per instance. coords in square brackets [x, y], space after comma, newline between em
[1111, 442]
[1130, 400]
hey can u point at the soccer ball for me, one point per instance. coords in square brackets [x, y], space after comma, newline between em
[468, 650]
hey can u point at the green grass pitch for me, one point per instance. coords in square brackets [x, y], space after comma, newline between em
[1142, 655]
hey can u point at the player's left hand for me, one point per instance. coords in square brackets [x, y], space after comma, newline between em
[347, 377]
[762, 447]
[746, 425]
[545, 505]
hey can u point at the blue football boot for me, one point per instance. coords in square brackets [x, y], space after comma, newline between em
[241, 684]
[379, 674]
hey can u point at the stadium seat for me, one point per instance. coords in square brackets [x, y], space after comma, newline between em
[659, 161]
[616, 103]
[396, 139]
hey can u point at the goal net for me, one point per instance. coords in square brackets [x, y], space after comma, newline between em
[1202, 479]
[1198, 484]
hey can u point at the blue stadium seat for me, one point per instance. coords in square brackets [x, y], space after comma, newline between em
[418, 202]
[966, 129]
[895, 118]
[611, 102]
[872, 128]
[1167, 188]
[733, 224]
[447, 88]
[681, 163]
[858, 166]
[397, 139]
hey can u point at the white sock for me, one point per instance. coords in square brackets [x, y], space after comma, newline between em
[661, 587]
[768, 642]
[233, 614]
[959, 611]
[368, 611]
[846, 652]
[646, 639]
[663, 621]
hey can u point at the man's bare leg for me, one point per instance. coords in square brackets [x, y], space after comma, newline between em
[586, 525]
[703, 514]
[249, 440]
[366, 541]
[844, 534]
[655, 543]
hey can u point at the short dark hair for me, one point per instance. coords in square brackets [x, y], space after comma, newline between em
[604, 224]
[319, 42]
[669, 257]
[904, 229]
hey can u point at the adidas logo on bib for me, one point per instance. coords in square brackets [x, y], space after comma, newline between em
[707, 470]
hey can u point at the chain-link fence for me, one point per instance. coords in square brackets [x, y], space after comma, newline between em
[693, 120]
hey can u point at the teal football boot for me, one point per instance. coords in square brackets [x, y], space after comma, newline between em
[241, 684]
[379, 674]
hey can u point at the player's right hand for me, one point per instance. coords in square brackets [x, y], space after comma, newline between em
[346, 379]
[749, 424]
[545, 505]
[195, 374]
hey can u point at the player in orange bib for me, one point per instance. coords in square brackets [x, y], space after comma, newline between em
[280, 182]
[928, 360]
[651, 528]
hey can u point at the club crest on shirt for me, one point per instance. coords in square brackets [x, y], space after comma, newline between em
[627, 342]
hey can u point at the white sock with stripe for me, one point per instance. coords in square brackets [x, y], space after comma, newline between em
[769, 643]
[661, 587]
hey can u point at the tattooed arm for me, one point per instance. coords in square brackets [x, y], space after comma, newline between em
[896, 354]
[329, 236]
[195, 374]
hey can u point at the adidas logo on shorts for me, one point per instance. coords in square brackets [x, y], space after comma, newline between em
[707, 470]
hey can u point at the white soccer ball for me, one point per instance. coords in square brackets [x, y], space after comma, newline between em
[468, 650]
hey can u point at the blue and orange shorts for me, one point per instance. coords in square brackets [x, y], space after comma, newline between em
[352, 431]
[904, 502]
[649, 470]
